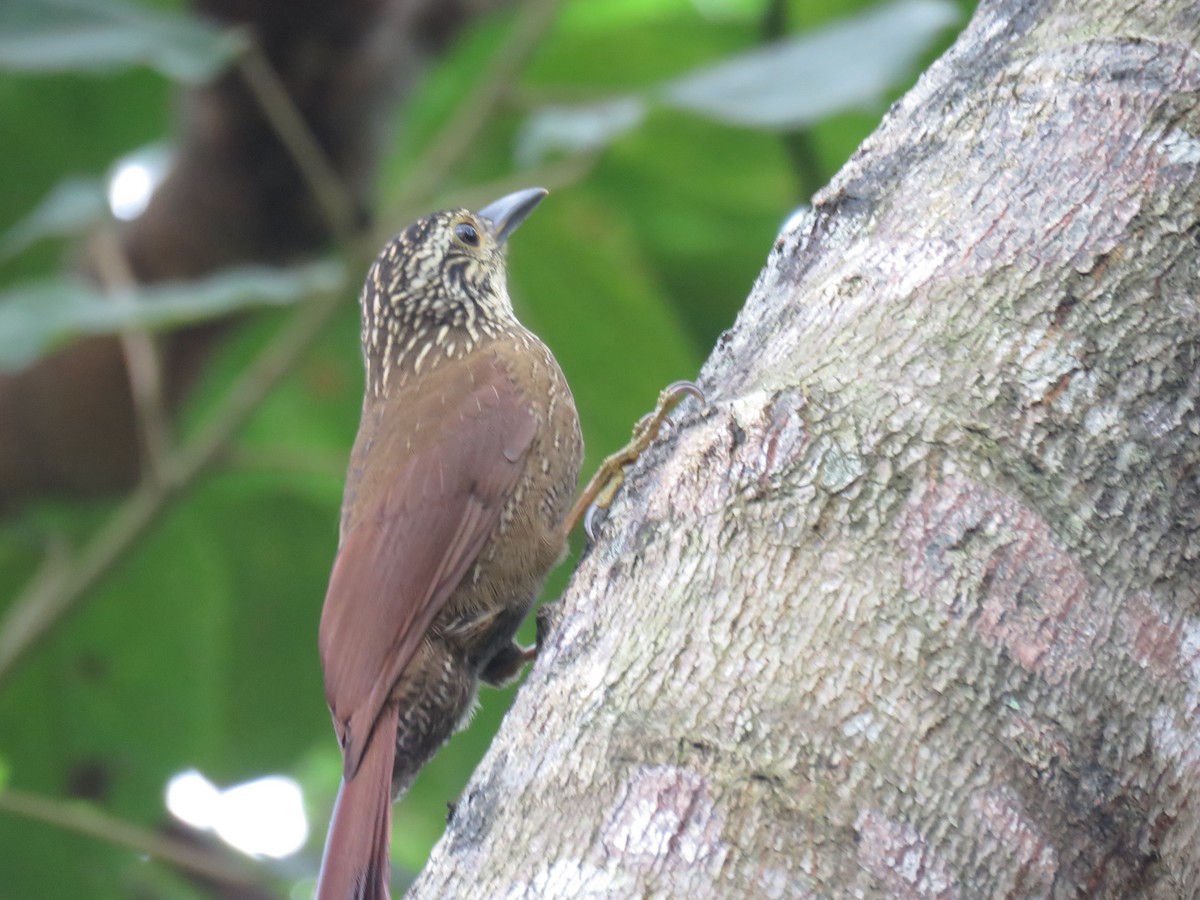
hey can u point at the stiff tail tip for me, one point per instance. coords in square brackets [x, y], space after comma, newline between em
[355, 865]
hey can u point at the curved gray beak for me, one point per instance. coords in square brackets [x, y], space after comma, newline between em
[505, 214]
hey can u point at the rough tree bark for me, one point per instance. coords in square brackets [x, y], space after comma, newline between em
[910, 609]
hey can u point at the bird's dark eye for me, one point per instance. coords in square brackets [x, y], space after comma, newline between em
[466, 233]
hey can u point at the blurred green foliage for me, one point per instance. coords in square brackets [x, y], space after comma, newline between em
[199, 649]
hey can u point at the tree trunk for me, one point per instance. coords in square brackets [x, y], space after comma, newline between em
[910, 609]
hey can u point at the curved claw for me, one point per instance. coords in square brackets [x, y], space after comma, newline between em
[609, 477]
[589, 522]
[677, 390]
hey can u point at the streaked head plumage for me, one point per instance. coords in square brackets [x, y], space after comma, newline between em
[441, 281]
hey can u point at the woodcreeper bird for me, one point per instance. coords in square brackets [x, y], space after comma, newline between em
[466, 459]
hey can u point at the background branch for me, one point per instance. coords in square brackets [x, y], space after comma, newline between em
[81, 819]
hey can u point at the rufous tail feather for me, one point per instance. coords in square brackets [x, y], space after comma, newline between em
[356, 863]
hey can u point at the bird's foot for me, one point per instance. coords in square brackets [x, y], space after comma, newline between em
[507, 664]
[608, 479]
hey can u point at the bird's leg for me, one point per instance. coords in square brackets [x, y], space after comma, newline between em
[599, 493]
[507, 664]
[610, 476]
[517, 656]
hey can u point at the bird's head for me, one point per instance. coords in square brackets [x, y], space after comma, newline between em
[442, 280]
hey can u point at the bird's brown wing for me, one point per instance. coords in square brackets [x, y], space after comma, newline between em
[438, 502]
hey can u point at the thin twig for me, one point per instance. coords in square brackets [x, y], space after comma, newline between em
[140, 350]
[90, 822]
[798, 144]
[277, 106]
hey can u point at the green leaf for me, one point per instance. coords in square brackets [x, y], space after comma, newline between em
[791, 84]
[36, 318]
[630, 15]
[74, 205]
[175, 662]
[99, 35]
[703, 204]
[68, 124]
[577, 129]
[784, 86]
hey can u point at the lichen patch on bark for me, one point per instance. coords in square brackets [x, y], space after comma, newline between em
[664, 816]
